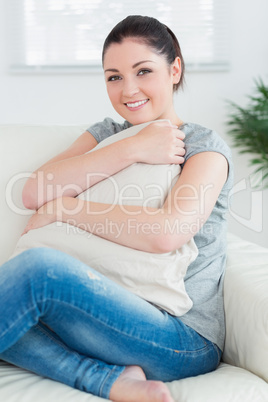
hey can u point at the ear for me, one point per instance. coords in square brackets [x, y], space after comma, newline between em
[176, 70]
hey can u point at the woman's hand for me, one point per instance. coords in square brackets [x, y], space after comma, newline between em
[43, 216]
[160, 143]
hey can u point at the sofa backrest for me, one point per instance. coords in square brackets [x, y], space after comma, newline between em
[23, 148]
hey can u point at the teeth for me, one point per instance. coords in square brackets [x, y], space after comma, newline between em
[136, 104]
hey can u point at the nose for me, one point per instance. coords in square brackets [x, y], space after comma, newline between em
[130, 88]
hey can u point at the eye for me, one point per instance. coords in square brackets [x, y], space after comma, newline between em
[144, 71]
[114, 78]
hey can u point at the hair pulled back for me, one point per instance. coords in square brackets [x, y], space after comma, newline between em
[152, 33]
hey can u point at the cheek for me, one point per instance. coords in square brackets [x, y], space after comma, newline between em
[114, 94]
[163, 92]
[157, 93]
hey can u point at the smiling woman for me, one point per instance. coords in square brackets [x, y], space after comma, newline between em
[142, 71]
[140, 82]
[114, 343]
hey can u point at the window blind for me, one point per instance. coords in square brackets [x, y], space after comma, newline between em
[67, 35]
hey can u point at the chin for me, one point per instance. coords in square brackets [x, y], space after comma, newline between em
[139, 120]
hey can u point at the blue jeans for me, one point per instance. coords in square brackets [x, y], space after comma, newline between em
[63, 320]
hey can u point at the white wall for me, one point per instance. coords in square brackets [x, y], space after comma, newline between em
[71, 99]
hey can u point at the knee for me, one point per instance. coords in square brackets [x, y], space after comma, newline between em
[42, 265]
[29, 267]
[34, 261]
[34, 255]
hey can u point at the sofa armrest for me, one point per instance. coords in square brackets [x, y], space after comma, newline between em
[246, 306]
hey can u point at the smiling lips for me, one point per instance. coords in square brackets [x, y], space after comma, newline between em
[136, 105]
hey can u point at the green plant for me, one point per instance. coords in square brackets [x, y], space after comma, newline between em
[249, 129]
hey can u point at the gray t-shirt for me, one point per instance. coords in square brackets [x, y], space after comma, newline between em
[204, 278]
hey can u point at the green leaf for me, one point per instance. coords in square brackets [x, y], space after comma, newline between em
[248, 126]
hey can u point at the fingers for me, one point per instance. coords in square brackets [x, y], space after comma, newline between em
[177, 160]
[161, 142]
[179, 148]
[180, 151]
[26, 230]
[179, 143]
[180, 134]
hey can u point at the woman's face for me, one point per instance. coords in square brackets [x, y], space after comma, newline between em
[140, 82]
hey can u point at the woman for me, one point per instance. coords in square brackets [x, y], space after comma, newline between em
[94, 335]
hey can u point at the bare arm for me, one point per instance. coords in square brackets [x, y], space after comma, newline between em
[72, 171]
[75, 170]
[189, 204]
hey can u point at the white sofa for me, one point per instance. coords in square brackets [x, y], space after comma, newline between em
[243, 374]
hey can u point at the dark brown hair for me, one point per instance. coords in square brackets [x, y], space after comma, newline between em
[151, 32]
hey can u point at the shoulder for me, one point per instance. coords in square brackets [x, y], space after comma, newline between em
[106, 128]
[201, 139]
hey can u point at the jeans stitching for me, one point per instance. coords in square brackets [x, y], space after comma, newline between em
[111, 371]
[72, 351]
[14, 323]
[65, 347]
[219, 353]
[196, 351]
[114, 329]
[57, 341]
[149, 342]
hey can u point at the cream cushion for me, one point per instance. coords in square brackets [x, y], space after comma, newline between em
[246, 300]
[158, 278]
[226, 384]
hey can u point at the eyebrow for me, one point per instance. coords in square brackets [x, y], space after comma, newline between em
[114, 70]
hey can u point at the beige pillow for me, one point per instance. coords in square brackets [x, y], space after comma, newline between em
[157, 278]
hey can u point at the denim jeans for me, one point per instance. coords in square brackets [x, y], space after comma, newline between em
[63, 320]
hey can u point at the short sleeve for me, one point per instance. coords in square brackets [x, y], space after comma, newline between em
[106, 128]
[200, 139]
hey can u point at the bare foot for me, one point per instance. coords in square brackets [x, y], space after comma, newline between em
[132, 386]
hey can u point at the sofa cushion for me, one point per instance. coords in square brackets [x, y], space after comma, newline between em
[226, 384]
[246, 306]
